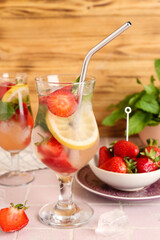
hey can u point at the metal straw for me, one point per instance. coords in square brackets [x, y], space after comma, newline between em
[94, 50]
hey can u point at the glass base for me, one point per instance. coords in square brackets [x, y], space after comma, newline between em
[16, 178]
[69, 218]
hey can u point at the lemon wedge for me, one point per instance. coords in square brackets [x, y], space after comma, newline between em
[18, 90]
[80, 134]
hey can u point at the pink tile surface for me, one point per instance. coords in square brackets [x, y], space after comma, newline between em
[7, 236]
[146, 234]
[143, 217]
[89, 234]
[42, 194]
[45, 177]
[44, 234]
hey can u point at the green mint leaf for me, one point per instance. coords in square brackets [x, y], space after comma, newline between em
[153, 123]
[40, 119]
[138, 81]
[125, 102]
[148, 103]
[135, 98]
[151, 89]
[138, 121]
[111, 106]
[114, 117]
[75, 87]
[78, 79]
[152, 79]
[6, 111]
[157, 67]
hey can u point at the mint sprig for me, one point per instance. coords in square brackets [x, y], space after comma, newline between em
[6, 111]
[145, 106]
[41, 117]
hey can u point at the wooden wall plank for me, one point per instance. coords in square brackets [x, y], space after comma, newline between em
[76, 8]
[43, 37]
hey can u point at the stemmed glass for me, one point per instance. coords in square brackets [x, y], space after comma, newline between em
[65, 137]
[16, 124]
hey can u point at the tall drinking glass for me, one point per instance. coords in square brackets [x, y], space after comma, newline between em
[16, 124]
[65, 137]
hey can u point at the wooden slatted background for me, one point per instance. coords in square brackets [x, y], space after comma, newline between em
[44, 37]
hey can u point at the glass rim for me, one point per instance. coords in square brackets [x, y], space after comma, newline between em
[12, 75]
[42, 77]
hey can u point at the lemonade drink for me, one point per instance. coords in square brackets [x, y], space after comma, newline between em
[16, 121]
[65, 135]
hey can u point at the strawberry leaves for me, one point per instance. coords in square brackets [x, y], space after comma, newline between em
[131, 165]
[19, 205]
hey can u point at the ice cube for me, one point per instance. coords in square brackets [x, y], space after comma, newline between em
[112, 223]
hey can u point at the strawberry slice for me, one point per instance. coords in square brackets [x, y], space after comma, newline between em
[13, 218]
[50, 147]
[4, 87]
[62, 103]
[54, 156]
[104, 155]
[68, 88]
[59, 164]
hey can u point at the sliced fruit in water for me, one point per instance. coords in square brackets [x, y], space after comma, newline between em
[4, 87]
[15, 91]
[75, 134]
[62, 102]
[54, 156]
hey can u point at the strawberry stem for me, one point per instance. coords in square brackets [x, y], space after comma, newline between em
[152, 142]
[131, 165]
[20, 205]
[44, 140]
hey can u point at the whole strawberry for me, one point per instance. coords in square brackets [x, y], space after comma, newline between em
[123, 148]
[13, 218]
[152, 150]
[104, 155]
[150, 157]
[145, 164]
[115, 164]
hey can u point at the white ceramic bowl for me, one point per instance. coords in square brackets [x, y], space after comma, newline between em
[124, 181]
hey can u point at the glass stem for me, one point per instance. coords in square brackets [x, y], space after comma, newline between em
[65, 209]
[65, 195]
[14, 162]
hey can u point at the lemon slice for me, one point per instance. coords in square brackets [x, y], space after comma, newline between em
[80, 135]
[19, 90]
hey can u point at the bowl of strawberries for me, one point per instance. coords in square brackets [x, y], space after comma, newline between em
[125, 166]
